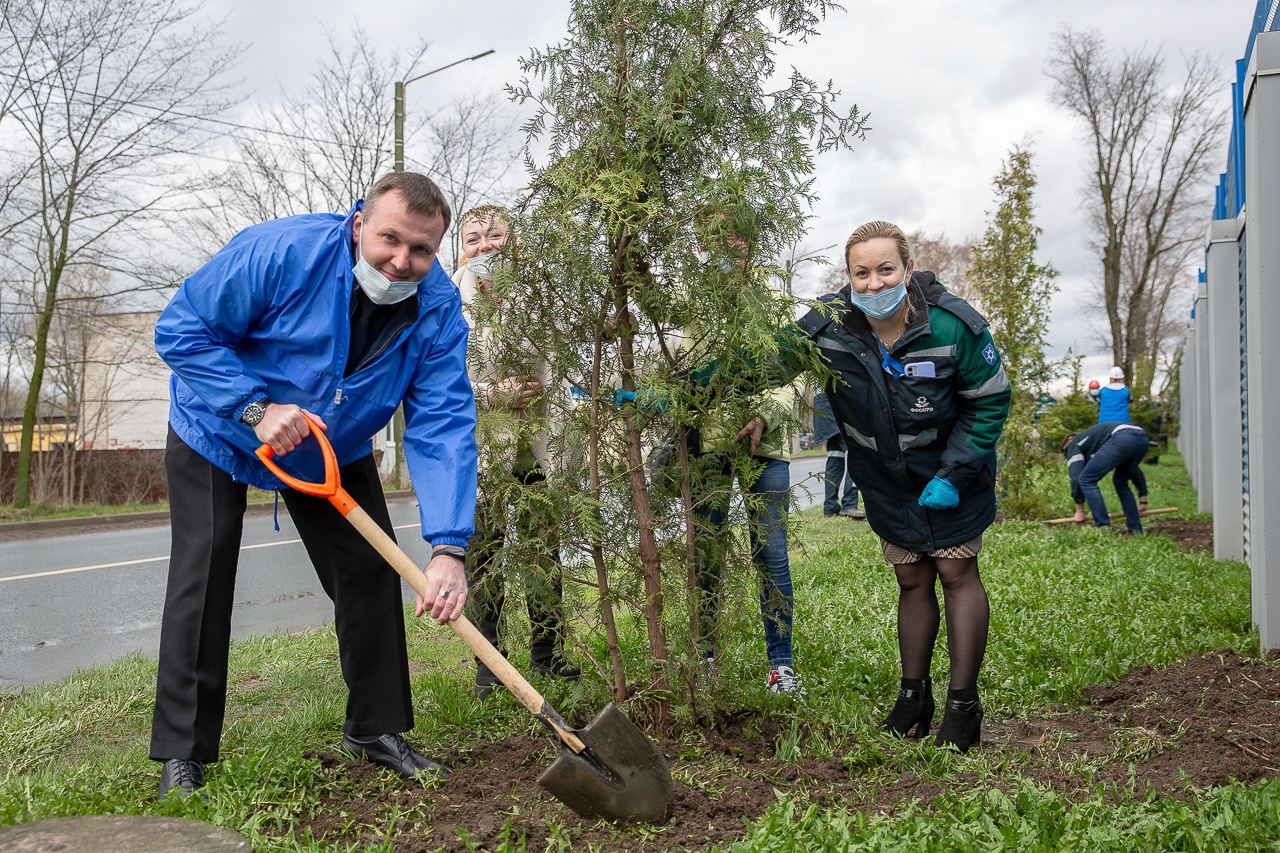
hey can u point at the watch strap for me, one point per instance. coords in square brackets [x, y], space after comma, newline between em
[451, 550]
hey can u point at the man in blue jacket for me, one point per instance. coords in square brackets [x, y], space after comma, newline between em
[340, 319]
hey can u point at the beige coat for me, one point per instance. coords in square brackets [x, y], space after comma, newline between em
[492, 398]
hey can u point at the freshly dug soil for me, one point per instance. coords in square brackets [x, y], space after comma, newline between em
[1193, 534]
[1214, 717]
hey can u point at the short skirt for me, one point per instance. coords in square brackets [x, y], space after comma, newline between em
[895, 555]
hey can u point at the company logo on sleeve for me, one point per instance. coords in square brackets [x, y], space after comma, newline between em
[989, 353]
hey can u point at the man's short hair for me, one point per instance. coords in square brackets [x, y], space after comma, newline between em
[420, 193]
[1066, 441]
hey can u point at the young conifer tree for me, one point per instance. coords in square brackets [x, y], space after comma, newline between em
[669, 132]
[1015, 291]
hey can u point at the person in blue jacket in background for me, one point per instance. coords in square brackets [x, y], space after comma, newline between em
[1114, 399]
[340, 319]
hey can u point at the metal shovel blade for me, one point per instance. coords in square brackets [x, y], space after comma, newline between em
[621, 776]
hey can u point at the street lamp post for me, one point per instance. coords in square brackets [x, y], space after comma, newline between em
[398, 420]
[400, 84]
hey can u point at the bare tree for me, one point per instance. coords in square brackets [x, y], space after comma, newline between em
[318, 150]
[110, 94]
[1151, 145]
[472, 146]
[949, 261]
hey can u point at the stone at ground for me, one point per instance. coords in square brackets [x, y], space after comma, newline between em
[119, 834]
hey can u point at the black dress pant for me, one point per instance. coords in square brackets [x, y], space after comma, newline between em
[206, 509]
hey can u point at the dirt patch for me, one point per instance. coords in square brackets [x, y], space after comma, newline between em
[493, 794]
[1209, 720]
[1214, 718]
[1193, 534]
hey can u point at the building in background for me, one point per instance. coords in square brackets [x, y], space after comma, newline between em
[1229, 399]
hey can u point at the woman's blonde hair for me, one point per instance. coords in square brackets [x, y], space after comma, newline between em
[486, 213]
[874, 231]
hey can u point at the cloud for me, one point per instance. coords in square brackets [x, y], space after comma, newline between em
[949, 88]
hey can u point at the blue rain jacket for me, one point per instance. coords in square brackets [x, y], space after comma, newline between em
[270, 316]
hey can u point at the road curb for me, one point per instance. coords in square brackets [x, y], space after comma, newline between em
[125, 519]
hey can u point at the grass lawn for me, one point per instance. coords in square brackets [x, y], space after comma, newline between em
[1071, 607]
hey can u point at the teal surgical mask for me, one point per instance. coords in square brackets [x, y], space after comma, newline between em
[881, 305]
[380, 289]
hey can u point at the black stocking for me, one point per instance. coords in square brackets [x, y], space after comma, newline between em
[968, 614]
[917, 616]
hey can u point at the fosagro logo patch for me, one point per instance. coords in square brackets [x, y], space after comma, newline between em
[921, 406]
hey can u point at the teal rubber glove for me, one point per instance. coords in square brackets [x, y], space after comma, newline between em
[647, 399]
[940, 494]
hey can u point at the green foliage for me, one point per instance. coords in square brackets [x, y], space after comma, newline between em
[1071, 607]
[1071, 414]
[666, 134]
[1030, 818]
[1014, 292]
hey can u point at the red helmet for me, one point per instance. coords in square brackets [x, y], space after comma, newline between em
[1094, 385]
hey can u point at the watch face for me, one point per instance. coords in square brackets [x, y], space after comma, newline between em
[253, 413]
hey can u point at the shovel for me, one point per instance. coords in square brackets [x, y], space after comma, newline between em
[1071, 519]
[608, 769]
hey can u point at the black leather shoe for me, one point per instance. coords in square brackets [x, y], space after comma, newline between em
[961, 724]
[394, 753]
[557, 667]
[486, 681]
[181, 777]
[913, 711]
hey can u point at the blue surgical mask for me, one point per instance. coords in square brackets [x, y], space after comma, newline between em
[727, 265]
[482, 265]
[380, 289]
[880, 305]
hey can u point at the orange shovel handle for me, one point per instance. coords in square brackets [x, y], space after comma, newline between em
[330, 488]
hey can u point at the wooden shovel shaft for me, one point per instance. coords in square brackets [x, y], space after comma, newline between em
[1144, 513]
[492, 658]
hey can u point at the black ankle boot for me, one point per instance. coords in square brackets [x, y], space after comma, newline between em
[913, 708]
[962, 721]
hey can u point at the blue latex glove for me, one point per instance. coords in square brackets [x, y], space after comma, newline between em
[649, 400]
[940, 494]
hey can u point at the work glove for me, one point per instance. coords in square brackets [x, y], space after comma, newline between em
[646, 399]
[940, 494]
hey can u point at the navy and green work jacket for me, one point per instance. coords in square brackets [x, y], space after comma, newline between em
[942, 417]
[270, 316]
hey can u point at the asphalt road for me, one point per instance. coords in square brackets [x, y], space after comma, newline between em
[73, 601]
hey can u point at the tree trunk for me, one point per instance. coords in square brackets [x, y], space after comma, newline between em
[650, 559]
[691, 562]
[22, 476]
[597, 547]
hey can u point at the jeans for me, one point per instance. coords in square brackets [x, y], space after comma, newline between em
[767, 528]
[837, 471]
[1123, 453]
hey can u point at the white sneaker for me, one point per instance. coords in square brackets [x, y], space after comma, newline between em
[708, 677]
[784, 680]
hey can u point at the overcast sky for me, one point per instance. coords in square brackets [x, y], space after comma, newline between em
[948, 86]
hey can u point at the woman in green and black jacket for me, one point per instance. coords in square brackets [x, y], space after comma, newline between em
[920, 395]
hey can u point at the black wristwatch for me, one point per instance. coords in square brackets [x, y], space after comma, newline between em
[254, 412]
[451, 550]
